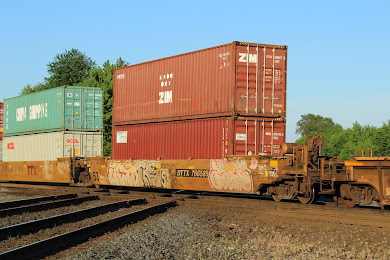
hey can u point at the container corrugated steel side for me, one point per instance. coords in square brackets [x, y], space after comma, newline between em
[50, 146]
[1, 119]
[199, 139]
[58, 109]
[246, 79]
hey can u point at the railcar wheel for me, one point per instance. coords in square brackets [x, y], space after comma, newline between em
[276, 198]
[308, 199]
[338, 200]
[349, 203]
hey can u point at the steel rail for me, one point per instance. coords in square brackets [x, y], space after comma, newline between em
[18, 203]
[45, 206]
[36, 225]
[59, 243]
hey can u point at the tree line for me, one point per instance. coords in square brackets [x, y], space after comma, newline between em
[344, 143]
[74, 68]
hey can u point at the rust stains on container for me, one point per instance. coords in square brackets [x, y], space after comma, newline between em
[211, 138]
[244, 79]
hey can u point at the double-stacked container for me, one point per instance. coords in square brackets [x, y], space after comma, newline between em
[60, 122]
[229, 99]
[1, 129]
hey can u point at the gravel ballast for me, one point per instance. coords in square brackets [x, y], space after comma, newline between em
[185, 233]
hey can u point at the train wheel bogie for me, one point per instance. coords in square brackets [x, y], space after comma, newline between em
[284, 191]
[353, 195]
[308, 198]
[85, 179]
[349, 203]
[276, 198]
[307, 193]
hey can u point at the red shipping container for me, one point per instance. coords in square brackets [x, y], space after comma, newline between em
[244, 79]
[1, 119]
[211, 138]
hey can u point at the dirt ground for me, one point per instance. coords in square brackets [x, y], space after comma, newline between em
[188, 233]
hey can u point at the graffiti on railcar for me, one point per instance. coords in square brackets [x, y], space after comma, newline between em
[266, 171]
[138, 174]
[63, 167]
[253, 164]
[48, 169]
[230, 175]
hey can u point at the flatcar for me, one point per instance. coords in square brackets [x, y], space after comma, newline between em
[301, 172]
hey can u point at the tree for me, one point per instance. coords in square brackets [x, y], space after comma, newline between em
[381, 139]
[103, 78]
[315, 124]
[68, 68]
[347, 142]
[38, 87]
[74, 68]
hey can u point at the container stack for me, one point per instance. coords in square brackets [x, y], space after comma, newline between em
[1, 129]
[225, 100]
[55, 123]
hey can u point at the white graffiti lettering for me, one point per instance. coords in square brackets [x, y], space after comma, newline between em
[265, 171]
[137, 174]
[230, 175]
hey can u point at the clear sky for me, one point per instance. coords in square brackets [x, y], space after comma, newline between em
[338, 51]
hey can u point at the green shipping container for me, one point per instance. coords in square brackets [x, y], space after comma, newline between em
[57, 109]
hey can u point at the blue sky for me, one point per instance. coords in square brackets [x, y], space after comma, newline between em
[338, 57]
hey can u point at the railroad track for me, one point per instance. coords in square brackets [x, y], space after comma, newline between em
[138, 205]
[177, 194]
[56, 243]
[325, 212]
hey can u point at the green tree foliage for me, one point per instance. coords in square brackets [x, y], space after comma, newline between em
[382, 140]
[68, 68]
[315, 124]
[346, 143]
[74, 68]
[38, 87]
[103, 78]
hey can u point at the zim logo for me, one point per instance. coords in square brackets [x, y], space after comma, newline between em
[244, 58]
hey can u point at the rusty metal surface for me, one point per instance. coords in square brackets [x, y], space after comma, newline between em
[41, 171]
[199, 139]
[235, 174]
[300, 172]
[368, 172]
[233, 79]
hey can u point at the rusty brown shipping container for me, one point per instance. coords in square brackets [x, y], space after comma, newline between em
[211, 138]
[1, 119]
[245, 79]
